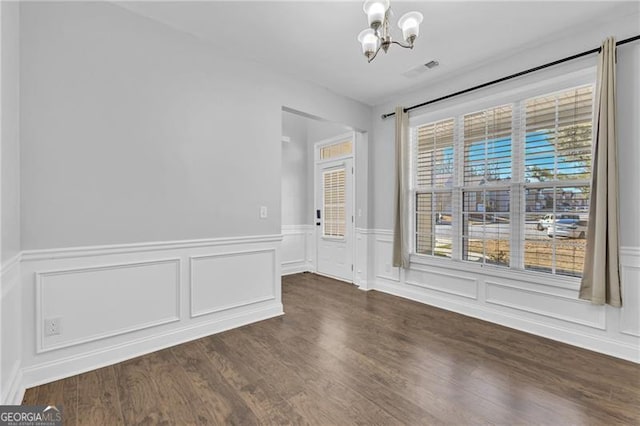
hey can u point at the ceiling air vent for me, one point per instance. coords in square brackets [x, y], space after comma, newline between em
[419, 69]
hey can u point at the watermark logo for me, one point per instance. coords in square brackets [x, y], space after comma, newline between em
[30, 415]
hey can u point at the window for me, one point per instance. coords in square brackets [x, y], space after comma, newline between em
[508, 185]
[557, 169]
[339, 149]
[434, 180]
[487, 164]
[486, 228]
[487, 146]
[334, 203]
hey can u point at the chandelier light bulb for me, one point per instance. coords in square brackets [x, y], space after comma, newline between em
[375, 10]
[409, 23]
[369, 41]
[378, 36]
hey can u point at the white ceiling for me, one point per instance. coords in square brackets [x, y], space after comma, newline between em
[316, 41]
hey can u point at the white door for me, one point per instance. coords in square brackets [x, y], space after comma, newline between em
[334, 218]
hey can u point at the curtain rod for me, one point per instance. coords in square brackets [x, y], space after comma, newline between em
[509, 77]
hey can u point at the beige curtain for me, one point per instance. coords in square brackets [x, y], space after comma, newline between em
[601, 277]
[400, 229]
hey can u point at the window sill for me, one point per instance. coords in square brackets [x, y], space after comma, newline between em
[564, 282]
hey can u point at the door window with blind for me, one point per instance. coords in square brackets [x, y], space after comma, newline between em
[335, 150]
[508, 185]
[333, 194]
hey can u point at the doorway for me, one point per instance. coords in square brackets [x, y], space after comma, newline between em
[334, 206]
[324, 198]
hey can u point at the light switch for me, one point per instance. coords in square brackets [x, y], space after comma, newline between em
[263, 212]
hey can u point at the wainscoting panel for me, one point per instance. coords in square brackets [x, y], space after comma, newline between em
[535, 303]
[361, 261]
[630, 275]
[291, 244]
[103, 301]
[550, 305]
[224, 281]
[298, 249]
[10, 332]
[384, 257]
[444, 282]
[113, 303]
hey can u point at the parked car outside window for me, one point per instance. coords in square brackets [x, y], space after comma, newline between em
[567, 228]
[550, 218]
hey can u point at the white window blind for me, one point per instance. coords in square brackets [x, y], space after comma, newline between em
[558, 131]
[486, 226]
[487, 146]
[335, 150]
[558, 136]
[435, 155]
[434, 181]
[334, 211]
[508, 185]
[486, 217]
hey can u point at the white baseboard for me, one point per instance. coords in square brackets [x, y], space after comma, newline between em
[540, 304]
[81, 363]
[299, 252]
[15, 390]
[298, 249]
[121, 301]
[363, 285]
[603, 345]
[295, 269]
[11, 390]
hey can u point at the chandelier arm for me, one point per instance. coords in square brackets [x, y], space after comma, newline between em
[374, 55]
[406, 46]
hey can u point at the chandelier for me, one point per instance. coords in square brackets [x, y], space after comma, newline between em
[378, 35]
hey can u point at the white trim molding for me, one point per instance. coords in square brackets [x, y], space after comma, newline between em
[524, 301]
[78, 363]
[361, 259]
[95, 276]
[11, 390]
[7, 267]
[261, 286]
[116, 302]
[298, 249]
[75, 252]
[630, 276]
[299, 252]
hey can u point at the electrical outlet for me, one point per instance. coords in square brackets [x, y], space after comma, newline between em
[263, 212]
[52, 326]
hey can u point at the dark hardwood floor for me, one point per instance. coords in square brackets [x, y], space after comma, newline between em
[343, 356]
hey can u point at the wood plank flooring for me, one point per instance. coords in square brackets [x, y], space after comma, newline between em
[343, 356]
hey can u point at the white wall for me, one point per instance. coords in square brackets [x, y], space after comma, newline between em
[10, 132]
[145, 156]
[131, 131]
[10, 295]
[628, 110]
[295, 205]
[544, 306]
